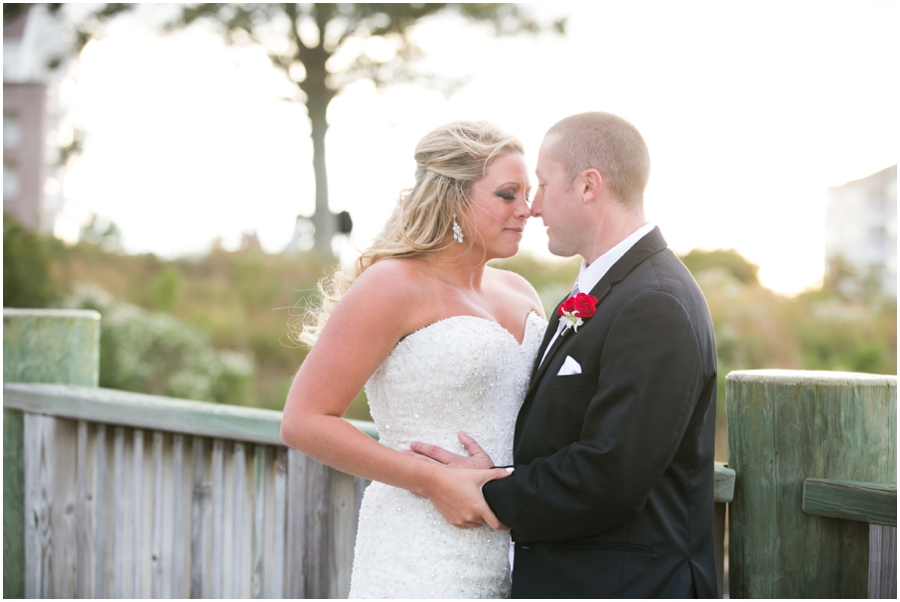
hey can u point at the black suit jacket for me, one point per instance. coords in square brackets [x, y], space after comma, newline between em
[612, 494]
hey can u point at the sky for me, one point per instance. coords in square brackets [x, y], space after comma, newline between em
[751, 110]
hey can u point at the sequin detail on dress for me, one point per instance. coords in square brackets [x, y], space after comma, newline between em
[462, 373]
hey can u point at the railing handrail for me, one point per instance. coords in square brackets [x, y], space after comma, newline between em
[810, 377]
[874, 503]
[190, 417]
[154, 412]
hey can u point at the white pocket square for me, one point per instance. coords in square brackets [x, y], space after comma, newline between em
[569, 367]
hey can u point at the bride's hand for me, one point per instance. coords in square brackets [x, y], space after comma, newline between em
[477, 458]
[457, 496]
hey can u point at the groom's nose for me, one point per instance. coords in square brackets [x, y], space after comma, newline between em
[536, 204]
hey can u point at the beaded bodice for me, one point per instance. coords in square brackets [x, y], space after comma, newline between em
[462, 373]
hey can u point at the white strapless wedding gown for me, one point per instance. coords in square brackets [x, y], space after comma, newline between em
[459, 374]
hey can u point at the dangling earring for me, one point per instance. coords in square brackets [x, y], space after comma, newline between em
[457, 231]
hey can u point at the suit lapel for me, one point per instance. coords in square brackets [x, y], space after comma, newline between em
[552, 325]
[649, 245]
[543, 367]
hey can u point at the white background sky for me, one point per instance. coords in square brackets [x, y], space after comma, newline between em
[750, 109]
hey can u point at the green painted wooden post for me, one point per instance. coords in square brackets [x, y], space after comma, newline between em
[783, 428]
[39, 346]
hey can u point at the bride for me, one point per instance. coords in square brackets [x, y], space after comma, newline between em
[443, 343]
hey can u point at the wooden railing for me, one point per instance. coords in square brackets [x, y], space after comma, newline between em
[870, 503]
[129, 495]
[814, 513]
[116, 494]
[132, 495]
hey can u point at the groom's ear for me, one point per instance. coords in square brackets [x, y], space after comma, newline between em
[591, 184]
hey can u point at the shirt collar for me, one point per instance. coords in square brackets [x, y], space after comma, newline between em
[590, 275]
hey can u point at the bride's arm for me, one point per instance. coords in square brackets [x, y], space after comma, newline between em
[381, 306]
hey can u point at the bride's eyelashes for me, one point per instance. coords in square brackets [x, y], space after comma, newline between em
[512, 195]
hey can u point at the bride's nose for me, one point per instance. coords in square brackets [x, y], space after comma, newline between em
[523, 209]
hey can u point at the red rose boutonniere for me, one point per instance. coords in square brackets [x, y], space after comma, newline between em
[575, 310]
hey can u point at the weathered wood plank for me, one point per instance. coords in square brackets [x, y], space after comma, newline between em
[318, 531]
[851, 500]
[237, 533]
[206, 483]
[100, 502]
[785, 427]
[82, 537]
[259, 524]
[271, 528]
[719, 513]
[281, 526]
[178, 518]
[360, 484]
[344, 521]
[199, 498]
[52, 502]
[724, 493]
[157, 545]
[752, 532]
[137, 513]
[119, 502]
[882, 561]
[295, 534]
[13, 504]
[138, 410]
[218, 494]
[62, 510]
[37, 512]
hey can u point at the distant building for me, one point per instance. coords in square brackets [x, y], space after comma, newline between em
[861, 227]
[24, 131]
[23, 153]
[34, 56]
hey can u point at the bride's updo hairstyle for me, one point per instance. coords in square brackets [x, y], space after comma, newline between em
[449, 160]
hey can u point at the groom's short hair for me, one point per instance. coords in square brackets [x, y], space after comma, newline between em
[609, 144]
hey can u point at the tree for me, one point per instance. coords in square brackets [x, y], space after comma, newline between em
[27, 280]
[729, 260]
[301, 40]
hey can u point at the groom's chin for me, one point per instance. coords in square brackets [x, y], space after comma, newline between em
[555, 250]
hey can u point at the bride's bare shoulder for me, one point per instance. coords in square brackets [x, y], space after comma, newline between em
[397, 271]
[509, 283]
[397, 281]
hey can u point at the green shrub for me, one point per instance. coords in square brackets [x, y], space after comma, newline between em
[27, 282]
[153, 352]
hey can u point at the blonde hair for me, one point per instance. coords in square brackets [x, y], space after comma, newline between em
[449, 160]
[609, 144]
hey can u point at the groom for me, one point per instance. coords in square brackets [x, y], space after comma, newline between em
[612, 489]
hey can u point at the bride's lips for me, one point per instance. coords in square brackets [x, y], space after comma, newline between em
[516, 231]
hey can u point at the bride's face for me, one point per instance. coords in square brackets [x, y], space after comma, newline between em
[499, 207]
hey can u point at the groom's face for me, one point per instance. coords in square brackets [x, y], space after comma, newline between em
[557, 203]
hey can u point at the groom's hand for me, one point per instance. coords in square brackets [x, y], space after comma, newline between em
[477, 458]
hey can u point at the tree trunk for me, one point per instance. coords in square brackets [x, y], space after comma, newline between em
[323, 219]
[318, 96]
